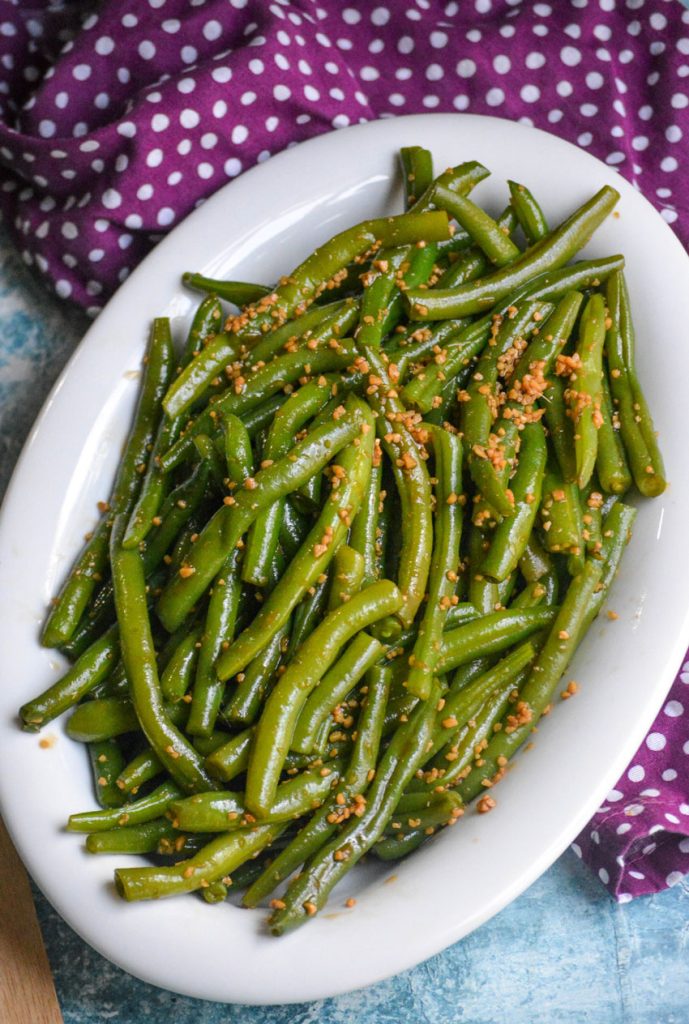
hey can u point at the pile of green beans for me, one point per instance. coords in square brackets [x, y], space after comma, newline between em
[361, 523]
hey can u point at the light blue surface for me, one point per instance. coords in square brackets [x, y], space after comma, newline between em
[564, 952]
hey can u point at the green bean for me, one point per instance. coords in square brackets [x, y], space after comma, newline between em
[140, 770]
[144, 838]
[404, 754]
[312, 559]
[226, 812]
[239, 293]
[250, 691]
[443, 809]
[107, 762]
[511, 535]
[636, 425]
[560, 429]
[226, 527]
[548, 287]
[363, 535]
[177, 676]
[529, 214]
[444, 564]
[308, 614]
[478, 409]
[264, 534]
[80, 585]
[562, 530]
[361, 654]
[541, 352]
[537, 693]
[98, 720]
[611, 461]
[216, 860]
[400, 845]
[268, 380]
[219, 628]
[491, 634]
[497, 246]
[223, 603]
[313, 275]
[617, 531]
[324, 823]
[470, 265]
[468, 746]
[347, 574]
[585, 396]
[414, 489]
[276, 725]
[146, 809]
[138, 654]
[417, 168]
[551, 253]
[94, 665]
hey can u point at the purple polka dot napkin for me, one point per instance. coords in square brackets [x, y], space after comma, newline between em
[115, 125]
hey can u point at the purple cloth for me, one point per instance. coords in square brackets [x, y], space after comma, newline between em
[113, 126]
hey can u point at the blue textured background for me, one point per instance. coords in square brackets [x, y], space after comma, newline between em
[562, 952]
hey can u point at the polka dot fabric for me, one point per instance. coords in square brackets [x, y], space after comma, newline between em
[638, 841]
[115, 125]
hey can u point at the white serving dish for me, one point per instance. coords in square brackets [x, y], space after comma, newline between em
[255, 229]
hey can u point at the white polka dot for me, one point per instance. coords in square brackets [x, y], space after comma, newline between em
[174, 178]
[460, 102]
[672, 818]
[146, 49]
[171, 26]
[96, 255]
[656, 741]
[570, 56]
[564, 89]
[431, 101]
[272, 123]
[46, 129]
[369, 74]
[127, 128]
[70, 230]
[434, 72]
[144, 192]
[205, 170]
[673, 878]
[154, 158]
[637, 874]
[405, 44]
[534, 60]
[466, 68]
[396, 99]
[624, 897]
[679, 101]
[639, 143]
[212, 30]
[311, 93]
[494, 97]
[189, 118]
[554, 116]
[530, 93]
[577, 849]
[614, 795]
[281, 93]
[684, 845]
[159, 122]
[669, 775]
[624, 827]
[595, 838]
[63, 288]
[603, 875]
[184, 147]
[380, 16]
[189, 54]
[239, 134]
[673, 709]
[673, 133]
[669, 163]
[594, 80]
[232, 167]
[350, 16]
[209, 140]
[602, 32]
[81, 72]
[502, 64]
[438, 39]
[111, 199]
[165, 216]
[221, 75]
[104, 46]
